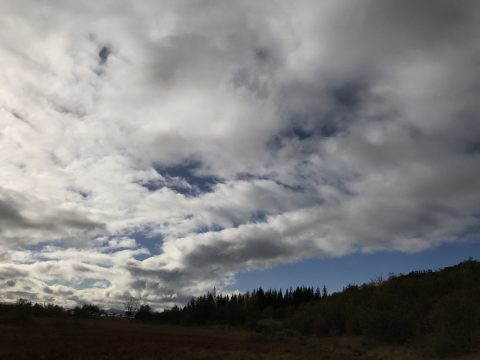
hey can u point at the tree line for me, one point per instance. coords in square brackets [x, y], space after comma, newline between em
[240, 309]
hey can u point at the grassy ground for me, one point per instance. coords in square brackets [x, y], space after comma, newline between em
[122, 339]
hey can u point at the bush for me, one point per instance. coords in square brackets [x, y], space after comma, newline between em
[309, 320]
[144, 313]
[455, 322]
[87, 311]
[268, 326]
[18, 313]
[387, 325]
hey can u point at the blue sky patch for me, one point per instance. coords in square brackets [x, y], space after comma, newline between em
[185, 178]
[336, 273]
[144, 239]
[103, 55]
[205, 229]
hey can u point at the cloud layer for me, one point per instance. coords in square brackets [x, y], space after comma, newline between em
[156, 148]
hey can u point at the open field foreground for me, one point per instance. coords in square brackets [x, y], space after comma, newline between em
[122, 339]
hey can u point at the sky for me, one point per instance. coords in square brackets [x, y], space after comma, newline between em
[355, 269]
[158, 149]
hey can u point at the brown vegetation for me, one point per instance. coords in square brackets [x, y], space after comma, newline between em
[71, 338]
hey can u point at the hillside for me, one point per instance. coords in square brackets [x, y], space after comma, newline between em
[437, 309]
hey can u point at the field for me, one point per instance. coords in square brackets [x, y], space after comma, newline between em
[123, 339]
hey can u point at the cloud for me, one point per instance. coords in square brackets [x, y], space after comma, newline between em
[23, 220]
[155, 149]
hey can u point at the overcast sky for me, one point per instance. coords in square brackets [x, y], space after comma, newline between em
[157, 148]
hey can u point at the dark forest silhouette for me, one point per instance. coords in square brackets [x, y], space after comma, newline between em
[440, 307]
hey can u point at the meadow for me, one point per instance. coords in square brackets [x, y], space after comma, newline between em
[69, 338]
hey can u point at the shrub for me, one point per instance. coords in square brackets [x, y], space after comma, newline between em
[455, 322]
[144, 313]
[386, 325]
[268, 326]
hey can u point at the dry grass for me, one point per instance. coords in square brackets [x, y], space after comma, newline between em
[122, 339]
[110, 339]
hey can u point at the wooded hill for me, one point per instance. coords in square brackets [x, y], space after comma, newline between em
[438, 308]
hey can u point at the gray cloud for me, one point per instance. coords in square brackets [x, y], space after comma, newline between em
[10, 215]
[11, 273]
[23, 220]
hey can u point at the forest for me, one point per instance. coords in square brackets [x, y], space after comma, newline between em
[437, 310]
